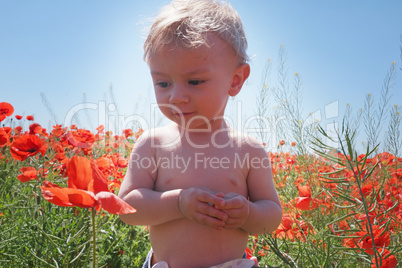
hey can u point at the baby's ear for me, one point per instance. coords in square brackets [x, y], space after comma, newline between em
[240, 75]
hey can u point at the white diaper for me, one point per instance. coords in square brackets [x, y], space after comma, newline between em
[239, 263]
[161, 264]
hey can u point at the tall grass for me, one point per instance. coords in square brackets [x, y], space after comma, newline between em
[360, 191]
[374, 117]
[286, 119]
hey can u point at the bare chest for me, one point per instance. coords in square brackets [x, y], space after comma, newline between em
[218, 170]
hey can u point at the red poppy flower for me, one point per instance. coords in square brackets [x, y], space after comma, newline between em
[381, 239]
[249, 253]
[81, 138]
[363, 240]
[58, 131]
[30, 118]
[18, 130]
[290, 161]
[35, 128]
[6, 109]
[304, 190]
[282, 142]
[8, 130]
[138, 134]
[27, 145]
[119, 160]
[128, 133]
[18, 117]
[4, 137]
[291, 228]
[388, 260]
[100, 129]
[28, 174]
[305, 201]
[285, 229]
[105, 165]
[87, 188]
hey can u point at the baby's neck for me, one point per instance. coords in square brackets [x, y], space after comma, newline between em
[199, 137]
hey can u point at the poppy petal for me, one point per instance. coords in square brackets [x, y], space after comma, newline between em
[4, 138]
[82, 199]
[49, 184]
[99, 180]
[55, 195]
[79, 173]
[113, 204]
[303, 203]
[304, 191]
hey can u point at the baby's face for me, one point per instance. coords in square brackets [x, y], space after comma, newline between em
[192, 85]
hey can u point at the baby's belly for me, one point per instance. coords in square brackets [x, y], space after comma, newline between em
[184, 243]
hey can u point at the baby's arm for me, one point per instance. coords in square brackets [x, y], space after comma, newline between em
[155, 207]
[262, 213]
[265, 211]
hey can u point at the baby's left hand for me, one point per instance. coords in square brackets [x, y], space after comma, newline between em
[237, 208]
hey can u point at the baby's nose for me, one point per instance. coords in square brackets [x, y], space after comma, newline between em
[178, 95]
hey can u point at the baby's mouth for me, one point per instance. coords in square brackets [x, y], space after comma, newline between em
[187, 114]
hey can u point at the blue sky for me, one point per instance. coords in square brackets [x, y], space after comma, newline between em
[65, 49]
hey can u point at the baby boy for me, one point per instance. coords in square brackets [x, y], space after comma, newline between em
[200, 185]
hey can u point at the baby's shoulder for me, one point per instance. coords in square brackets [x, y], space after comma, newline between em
[244, 141]
[157, 137]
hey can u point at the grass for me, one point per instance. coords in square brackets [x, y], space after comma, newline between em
[337, 206]
[341, 208]
[36, 233]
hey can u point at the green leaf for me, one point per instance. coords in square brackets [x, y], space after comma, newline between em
[78, 255]
[341, 218]
[40, 259]
[50, 239]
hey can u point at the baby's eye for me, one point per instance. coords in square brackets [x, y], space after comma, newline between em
[195, 82]
[162, 84]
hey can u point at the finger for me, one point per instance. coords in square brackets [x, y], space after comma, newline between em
[234, 223]
[209, 221]
[220, 194]
[234, 213]
[211, 211]
[231, 226]
[233, 203]
[211, 199]
[221, 205]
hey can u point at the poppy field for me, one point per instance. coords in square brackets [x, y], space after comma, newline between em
[59, 208]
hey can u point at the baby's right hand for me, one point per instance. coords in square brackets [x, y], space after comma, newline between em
[198, 203]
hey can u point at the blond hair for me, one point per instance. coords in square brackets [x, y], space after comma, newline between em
[186, 23]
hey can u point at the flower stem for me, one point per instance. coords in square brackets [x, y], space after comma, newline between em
[93, 238]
